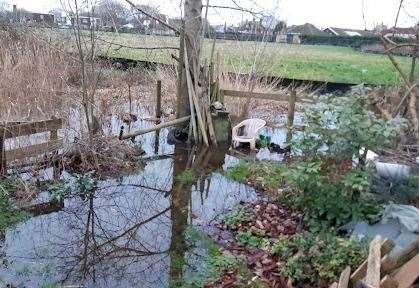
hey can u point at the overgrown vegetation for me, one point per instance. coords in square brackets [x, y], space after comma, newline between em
[329, 180]
[10, 215]
[339, 127]
[313, 258]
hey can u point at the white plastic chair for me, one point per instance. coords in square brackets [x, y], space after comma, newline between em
[249, 133]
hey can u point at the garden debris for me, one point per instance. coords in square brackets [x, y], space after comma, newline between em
[273, 147]
[269, 218]
[106, 156]
[385, 270]
[177, 136]
[407, 215]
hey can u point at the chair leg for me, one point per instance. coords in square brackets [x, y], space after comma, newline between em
[253, 145]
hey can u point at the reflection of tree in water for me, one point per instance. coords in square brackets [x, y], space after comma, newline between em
[123, 235]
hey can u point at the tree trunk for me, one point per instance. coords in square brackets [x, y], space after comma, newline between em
[191, 32]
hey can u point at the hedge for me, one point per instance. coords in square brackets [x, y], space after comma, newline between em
[347, 41]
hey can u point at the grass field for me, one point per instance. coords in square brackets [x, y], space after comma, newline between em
[306, 62]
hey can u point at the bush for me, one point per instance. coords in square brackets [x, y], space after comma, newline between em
[339, 127]
[314, 258]
[329, 199]
[10, 215]
[346, 41]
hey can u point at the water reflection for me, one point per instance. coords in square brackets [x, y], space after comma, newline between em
[129, 232]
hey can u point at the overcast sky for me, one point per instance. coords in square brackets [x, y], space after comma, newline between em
[322, 13]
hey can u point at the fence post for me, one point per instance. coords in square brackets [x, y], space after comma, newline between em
[158, 102]
[291, 113]
[3, 163]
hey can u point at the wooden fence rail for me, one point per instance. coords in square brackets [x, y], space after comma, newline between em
[382, 270]
[14, 130]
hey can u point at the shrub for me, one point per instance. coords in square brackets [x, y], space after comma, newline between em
[346, 41]
[339, 127]
[314, 258]
[330, 200]
[10, 215]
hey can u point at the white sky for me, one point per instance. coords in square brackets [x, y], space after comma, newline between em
[322, 13]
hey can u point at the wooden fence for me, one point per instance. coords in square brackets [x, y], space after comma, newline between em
[292, 100]
[14, 130]
[382, 270]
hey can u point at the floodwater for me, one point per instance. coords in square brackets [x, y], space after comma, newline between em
[131, 231]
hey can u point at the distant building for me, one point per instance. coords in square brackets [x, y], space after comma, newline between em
[31, 18]
[349, 32]
[294, 34]
[406, 33]
[86, 22]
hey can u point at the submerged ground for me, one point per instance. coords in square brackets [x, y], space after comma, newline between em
[131, 231]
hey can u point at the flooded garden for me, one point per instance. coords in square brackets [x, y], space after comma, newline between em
[95, 195]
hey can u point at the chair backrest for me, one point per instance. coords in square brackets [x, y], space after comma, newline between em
[252, 126]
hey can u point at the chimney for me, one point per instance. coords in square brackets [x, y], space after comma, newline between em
[14, 14]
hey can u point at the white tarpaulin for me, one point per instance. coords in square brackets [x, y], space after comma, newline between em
[407, 215]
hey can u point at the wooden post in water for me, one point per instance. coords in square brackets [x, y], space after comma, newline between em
[3, 163]
[291, 113]
[158, 100]
[53, 137]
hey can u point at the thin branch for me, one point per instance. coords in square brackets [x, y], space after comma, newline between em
[396, 111]
[400, 45]
[152, 17]
[235, 8]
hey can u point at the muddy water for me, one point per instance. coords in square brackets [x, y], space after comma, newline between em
[130, 232]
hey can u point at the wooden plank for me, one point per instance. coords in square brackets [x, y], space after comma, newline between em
[388, 282]
[256, 95]
[31, 128]
[155, 128]
[390, 263]
[33, 150]
[360, 273]
[344, 278]
[374, 263]
[409, 273]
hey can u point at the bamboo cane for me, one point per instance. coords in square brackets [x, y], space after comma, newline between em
[195, 100]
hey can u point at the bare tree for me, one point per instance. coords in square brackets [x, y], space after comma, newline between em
[192, 38]
[86, 45]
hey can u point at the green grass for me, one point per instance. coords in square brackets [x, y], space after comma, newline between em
[306, 62]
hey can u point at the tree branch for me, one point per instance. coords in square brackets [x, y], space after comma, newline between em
[151, 16]
[235, 8]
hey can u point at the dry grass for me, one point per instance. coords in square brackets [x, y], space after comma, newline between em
[105, 156]
[33, 78]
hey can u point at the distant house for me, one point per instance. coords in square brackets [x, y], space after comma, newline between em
[406, 33]
[39, 19]
[349, 32]
[295, 33]
[86, 22]
[32, 18]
